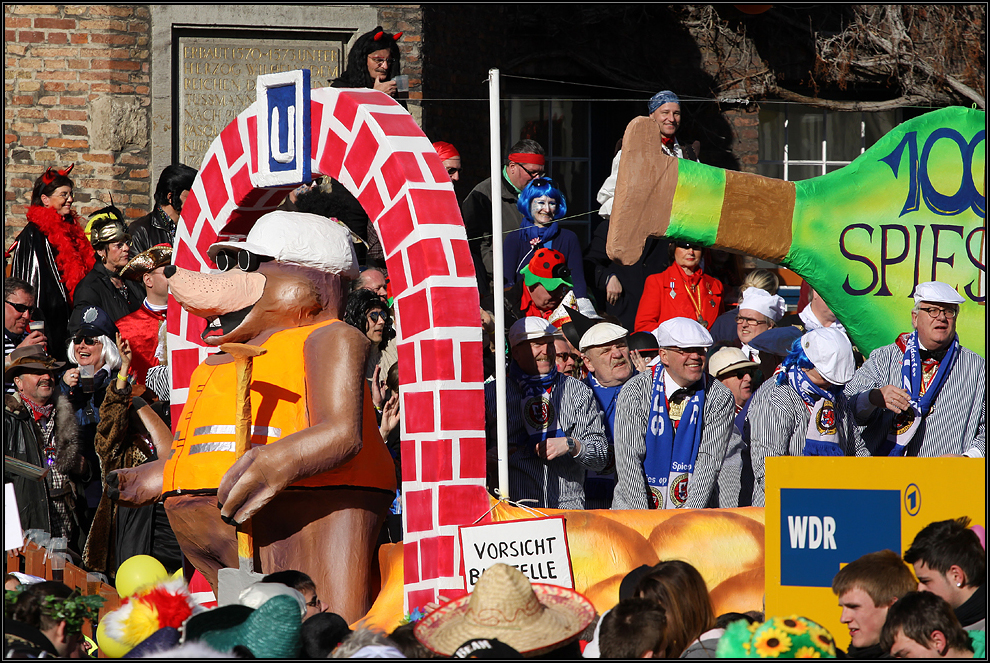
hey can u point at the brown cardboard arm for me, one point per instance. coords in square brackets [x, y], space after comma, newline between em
[644, 192]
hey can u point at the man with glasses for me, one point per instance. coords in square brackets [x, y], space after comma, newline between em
[672, 426]
[924, 394]
[524, 163]
[450, 158]
[18, 309]
[735, 480]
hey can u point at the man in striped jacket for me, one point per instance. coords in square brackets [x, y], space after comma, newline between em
[555, 427]
[925, 394]
[672, 426]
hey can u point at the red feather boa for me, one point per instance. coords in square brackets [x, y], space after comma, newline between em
[74, 255]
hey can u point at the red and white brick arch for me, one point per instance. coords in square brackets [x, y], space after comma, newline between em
[369, 143]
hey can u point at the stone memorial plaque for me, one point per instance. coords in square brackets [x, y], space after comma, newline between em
[217, 80]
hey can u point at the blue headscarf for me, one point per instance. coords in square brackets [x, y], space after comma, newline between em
[661, 98]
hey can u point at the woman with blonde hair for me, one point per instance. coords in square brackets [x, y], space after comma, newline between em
[681, 591]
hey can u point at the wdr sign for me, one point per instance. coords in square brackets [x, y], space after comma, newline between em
[821, 529]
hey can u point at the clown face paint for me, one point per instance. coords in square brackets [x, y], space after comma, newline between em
[543, 210]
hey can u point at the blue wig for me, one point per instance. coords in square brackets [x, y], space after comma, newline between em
[541, 186]
[797, 358]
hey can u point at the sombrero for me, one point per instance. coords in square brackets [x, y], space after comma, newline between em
[531, 618]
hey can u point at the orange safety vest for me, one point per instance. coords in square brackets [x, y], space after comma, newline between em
[203, 448]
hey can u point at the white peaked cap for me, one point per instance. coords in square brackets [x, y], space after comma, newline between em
[937, 292]
[761, 301]
[832, 354]
[601, 333]
[299, 238]
[682, 333]
[528, 329]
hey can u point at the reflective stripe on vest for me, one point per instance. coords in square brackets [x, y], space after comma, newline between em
[203, 448]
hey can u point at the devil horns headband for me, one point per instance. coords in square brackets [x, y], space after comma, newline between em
[49, 175]
[381, 33]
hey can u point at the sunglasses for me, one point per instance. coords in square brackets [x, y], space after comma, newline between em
[567, 356]
[244, 260]
[86, 340]
[688, 245]
[378, 315]
[22, 308]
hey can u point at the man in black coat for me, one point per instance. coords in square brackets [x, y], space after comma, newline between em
[159, 226]
[103, 287]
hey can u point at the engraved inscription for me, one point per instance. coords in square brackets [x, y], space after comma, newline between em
[217, 81]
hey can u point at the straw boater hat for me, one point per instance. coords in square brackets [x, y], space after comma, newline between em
[531, 618]
[147, 261]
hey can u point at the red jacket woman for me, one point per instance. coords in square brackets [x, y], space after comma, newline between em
[683, 290]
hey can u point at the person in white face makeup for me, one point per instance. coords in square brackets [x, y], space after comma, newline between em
[541, 205]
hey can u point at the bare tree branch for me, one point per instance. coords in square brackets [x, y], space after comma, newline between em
[830, 104]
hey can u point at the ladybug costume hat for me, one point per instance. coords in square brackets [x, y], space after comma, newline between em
[548, 268]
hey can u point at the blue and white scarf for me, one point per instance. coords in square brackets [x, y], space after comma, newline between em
[539, 404]
[822, 438]
[906, 424]
[607, 398]
[670, 454]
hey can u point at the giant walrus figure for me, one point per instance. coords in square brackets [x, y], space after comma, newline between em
[318, 479]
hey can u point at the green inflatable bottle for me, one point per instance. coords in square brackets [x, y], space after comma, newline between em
[910, 209]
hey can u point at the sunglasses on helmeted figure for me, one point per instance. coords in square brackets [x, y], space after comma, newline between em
[85, 340]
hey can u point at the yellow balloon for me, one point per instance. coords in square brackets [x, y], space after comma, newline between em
[111, 648]
[137, 572]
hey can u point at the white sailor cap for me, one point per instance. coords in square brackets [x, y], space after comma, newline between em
[682, 333]
[529, 328]
[937, 292]
[831, 352]
[601, 333]
[761, 301]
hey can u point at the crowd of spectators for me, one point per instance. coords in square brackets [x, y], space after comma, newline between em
[664, 611]
[663, 384]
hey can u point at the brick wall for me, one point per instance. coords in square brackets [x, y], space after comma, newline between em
[408, 19]
[76, 90]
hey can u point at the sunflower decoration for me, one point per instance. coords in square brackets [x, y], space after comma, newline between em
[779, 637]
[771, 643]
[808, 652]
[793, 625]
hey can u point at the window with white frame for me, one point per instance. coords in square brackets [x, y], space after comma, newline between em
[800, 142]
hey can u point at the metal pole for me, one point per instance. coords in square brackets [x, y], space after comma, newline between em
[500, 405]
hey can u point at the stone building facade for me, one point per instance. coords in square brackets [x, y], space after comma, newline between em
[93, 85]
